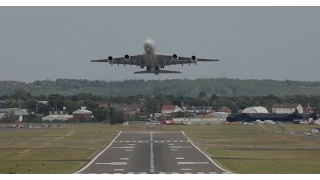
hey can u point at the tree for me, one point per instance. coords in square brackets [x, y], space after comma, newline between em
[202, 94]
[9, 117]
[214, 97]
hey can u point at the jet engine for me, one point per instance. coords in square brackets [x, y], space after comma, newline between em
[110, 59]
[194, 58]
[126, 57]
[174, 56]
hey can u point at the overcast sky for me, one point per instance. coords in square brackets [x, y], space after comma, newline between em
[38, 43]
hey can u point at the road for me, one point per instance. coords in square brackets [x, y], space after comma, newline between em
[151, 152]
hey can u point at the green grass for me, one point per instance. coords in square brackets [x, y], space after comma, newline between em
[52, 150]
[258, 148]
[238, 148]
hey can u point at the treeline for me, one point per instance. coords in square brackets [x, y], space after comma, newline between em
[177, 87]
[149, 104]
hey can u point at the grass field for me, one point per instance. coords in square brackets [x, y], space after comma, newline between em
[238, 148]
[269, 149]
[52, 150]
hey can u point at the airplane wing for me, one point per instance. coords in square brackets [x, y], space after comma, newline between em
[137, 60]
[167, 60]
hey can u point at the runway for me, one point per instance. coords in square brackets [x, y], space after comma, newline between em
[151, 152]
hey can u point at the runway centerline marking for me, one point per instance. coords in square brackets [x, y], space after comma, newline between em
[124, 158]
[131, 144]
[185, 169]
[171, 144]
[151, 153]
[179, 158]
[174, 149]
[124, 147]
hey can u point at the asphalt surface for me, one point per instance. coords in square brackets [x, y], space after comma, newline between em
[151, 152]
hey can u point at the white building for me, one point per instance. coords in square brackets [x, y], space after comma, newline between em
[57, 117]
[255, 110]
[18, 112]
[220, 115]
[167, 109]
[286, 108]
[199, 109]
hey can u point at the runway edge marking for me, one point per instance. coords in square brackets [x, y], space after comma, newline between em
[204, 153]
[98, 154]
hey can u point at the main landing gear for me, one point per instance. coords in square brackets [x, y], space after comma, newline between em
[155, 68]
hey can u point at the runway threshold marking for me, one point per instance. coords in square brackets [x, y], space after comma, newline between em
[185, 169]
[113, 163]
[179, 158]
[180, 147]
[124, 158]
[174, 149]
[118, 169]
[128, 147]
[193, 162]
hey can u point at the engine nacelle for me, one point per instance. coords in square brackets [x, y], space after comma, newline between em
[110, 59]
[174, 56]
[126, 57]
[194, 58]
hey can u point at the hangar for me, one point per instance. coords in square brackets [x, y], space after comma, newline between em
[254, 110]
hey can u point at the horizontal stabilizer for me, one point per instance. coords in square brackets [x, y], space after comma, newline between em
[158, 72]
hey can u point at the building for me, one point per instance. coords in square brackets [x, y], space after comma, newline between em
[83, 112]
[18, 112]
[167, 109]
[271, 116]
[307, 109]
[258, 109]
[286, 108]
[59, 117]
[223, 115]
[127, 109]
[199, 109]
[224, 109]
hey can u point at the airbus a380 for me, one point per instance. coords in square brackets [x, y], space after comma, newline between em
[153, 60]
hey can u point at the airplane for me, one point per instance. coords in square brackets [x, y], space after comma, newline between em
[153, 60]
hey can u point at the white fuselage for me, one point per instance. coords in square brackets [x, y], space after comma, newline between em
[150, 53]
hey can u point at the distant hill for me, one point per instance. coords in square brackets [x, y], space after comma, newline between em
[183, 87]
